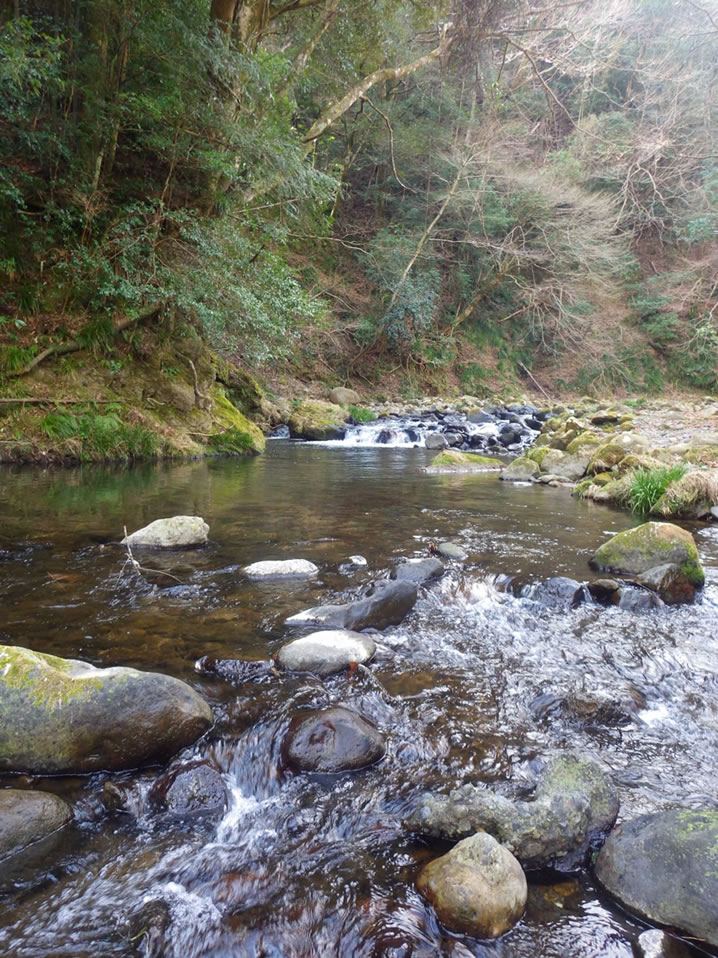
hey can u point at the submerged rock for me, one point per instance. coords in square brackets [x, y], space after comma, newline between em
[326, 652]
[574, 807]
[451, 460]
[27, 816]
[387, 602]
[478, 888]
[331, 740]
[451, 550]
[664, 868]
[190, 789]
[281, 568]
[64, 716]
[177, 532]
[649, 545]
[419, 570]
[559, 592]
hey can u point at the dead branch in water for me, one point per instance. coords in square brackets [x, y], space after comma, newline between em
[130, 560]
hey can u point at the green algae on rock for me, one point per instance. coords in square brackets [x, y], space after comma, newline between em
[664, 867]
[647, 546]
[64, 716]
[316, 420]
[451, 460]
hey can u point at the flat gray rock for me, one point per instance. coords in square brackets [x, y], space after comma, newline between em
[419, 570]
[386, 603]
[326, 652]
[281, 569]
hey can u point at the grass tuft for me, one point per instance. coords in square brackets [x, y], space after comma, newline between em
[648, 485]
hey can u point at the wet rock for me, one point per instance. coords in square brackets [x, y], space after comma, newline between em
[331, 740]
[387, 603]
[522, 469]
[480, 418]
[326, 652]
[451, 460]
[574, 807]
[177, 532]
[419, 571]
[559, 593]
[639, 600]
[649, 545]
[673, 586]
[478, 888]
[605, 591]
[451, 550]
[190, 789]
[64, 716]
[341, 396]
[285, 568]
[26, 816]
[663, 867]
[436, 440]
[590, 709]
[509, 436]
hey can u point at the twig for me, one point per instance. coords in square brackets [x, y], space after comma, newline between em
[137, 567]
[528, 373]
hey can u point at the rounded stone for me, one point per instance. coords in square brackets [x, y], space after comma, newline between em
[190, 789]
[63, 716]
[649, 545]
[331, 740]
[478, 888]
[326, 652]
[284, 568]
[27, 816]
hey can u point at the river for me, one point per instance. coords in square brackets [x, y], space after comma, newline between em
[468, 688]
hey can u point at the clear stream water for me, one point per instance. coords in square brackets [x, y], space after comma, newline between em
[467, 688]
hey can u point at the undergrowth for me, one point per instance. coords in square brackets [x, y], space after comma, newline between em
[648, 485]
[91, 435]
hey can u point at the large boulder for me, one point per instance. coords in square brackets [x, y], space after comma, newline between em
[387, 602]
[436, 440]
[331, 740]
[61, 716]
[326, 652]
[27, 816]
[341, 396]
[574, 807]
[316, 420]
[177, 532]
[664, 867]
[649, 545]
[281, 569]
[478, 888]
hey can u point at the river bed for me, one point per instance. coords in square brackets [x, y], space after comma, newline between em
[468, 688]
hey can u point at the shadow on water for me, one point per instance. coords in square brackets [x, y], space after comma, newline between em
[470, 687]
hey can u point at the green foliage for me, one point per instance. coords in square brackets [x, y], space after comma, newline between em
[361, 414]
[100, 435]
[231, 442]
[648, 485]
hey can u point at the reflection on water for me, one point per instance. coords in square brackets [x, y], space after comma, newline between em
[468, 688]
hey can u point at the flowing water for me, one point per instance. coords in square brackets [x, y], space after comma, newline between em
[470, 687]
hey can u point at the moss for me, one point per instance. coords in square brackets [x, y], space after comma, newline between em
[581, 489]
[462, 461]
[583, 440]
[537, 455]
[649, 545]
[48, 681]
[606, 457]
[603, 478]
[237, 434]
[242, 389]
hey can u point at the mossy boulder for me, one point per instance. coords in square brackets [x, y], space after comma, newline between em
[647, 546]
[26, 816]
[584, 441]
[341, 396]
[521, 469]
[664, 868]
[606, 457]
[62, 716]
[451, 460]
[243, 390]
[690, 497]
[233, 433]
[564, 464]
[537, 453]
[316, 420]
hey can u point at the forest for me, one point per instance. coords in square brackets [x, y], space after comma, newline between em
[442, 196]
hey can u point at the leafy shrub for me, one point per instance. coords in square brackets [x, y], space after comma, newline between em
[648, 485]
[361, 414]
